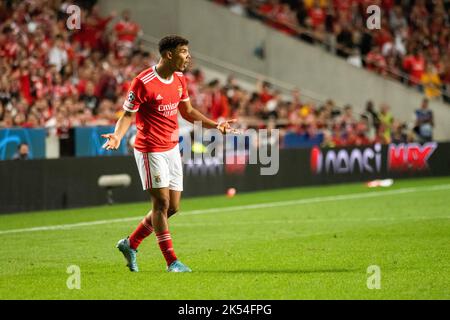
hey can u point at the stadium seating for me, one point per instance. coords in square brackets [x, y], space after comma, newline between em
[411, 45]
[59, 79]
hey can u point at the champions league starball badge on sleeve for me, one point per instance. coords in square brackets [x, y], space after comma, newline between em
[131, 96]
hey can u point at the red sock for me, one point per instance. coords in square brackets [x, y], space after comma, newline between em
[143, 230]
[165, 244]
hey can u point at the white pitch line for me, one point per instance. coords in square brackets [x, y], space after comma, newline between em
[312, 220]
[343, 197]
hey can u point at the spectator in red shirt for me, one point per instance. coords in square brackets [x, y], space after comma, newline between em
[266, 8]
[265, 91]
[92, 30]
[361, 131]
[126, 32]
[218, 102]
[286, 19]
[19, 120]
[33, 121]
[383, 37]
[375, 61]
[317, 15]
[387, 4]
[414, 65]
[106, 86]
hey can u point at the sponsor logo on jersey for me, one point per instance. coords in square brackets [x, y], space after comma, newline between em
[167, 107]
[168, 110]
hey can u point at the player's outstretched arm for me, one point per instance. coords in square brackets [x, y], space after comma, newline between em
[191, 114]
[122, 126]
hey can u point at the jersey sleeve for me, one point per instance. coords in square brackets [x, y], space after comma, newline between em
[184, 92]
[135, 96]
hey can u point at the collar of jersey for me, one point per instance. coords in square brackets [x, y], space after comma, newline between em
[161, 79]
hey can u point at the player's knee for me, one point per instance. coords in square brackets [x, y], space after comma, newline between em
[162, 205]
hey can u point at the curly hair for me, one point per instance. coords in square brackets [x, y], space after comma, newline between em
[171, 42]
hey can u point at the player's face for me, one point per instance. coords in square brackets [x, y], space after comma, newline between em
[181, 58]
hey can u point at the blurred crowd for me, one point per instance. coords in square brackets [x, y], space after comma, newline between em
[412, 44]
[58, 78]
[323, 122]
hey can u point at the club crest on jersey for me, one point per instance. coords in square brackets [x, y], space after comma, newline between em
[158, 179]
[131, 96]
[180, 91]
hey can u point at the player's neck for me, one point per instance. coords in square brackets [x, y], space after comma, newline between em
[164, 71]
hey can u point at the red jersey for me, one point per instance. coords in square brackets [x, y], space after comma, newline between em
[317, 16]
[415, 66]
[126, 31]
[156, 102]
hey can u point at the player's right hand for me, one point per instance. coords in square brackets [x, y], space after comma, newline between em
[112, 143]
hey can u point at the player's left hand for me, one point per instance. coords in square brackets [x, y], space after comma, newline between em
[225, 127]
[113, 142]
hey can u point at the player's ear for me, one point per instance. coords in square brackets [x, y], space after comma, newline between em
[169, 54]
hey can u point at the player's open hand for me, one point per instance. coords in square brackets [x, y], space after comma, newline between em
[112, 143]
[225, 127]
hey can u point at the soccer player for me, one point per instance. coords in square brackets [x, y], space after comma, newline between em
[155, 97]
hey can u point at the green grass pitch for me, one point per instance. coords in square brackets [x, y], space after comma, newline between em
[301, 243]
